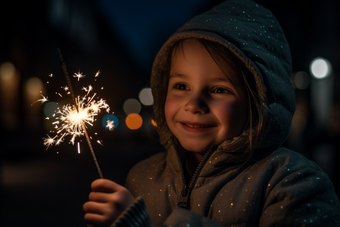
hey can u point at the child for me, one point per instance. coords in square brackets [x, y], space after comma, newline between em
[223, 107]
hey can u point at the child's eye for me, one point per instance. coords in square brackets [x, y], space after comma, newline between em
[220, 90]
[181, 87]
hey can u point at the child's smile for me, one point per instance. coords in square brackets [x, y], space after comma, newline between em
[196, 126]
[201, 108]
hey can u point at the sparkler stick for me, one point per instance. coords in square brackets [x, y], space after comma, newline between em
[76, 104]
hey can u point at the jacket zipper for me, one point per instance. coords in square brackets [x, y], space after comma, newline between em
[185, 193]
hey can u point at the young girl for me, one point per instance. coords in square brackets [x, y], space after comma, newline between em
[223, 106]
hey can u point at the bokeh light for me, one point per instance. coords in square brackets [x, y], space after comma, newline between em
[33, 86]
[7, 71]
[133, 121]
[132, 106]
[49, 108]
[110, 117]
[9, 95]
[153, 122]
[145, 97]
[320, 68]
[301, 80]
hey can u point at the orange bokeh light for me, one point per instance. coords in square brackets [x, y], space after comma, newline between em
[153, 123]
[133, 121]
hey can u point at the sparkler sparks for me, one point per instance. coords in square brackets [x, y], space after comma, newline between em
[110, 125]
[97, 74]
[79, 75]
[49, 141]
[42, 100]
[66, 89]
[71, 118]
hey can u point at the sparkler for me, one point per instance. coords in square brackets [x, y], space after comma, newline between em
[72, 120]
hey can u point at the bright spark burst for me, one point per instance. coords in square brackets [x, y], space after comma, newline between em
[87, 89]
[65, 88]
[70, 120]
[110, 125]
[42, 100]
[79, 75]
[49, 141]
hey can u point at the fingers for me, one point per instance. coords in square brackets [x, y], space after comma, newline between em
[107, 201]
[94, 219]
[93, 207]
[105, 185]
[100, 197]
[119, 200]
[99, 214]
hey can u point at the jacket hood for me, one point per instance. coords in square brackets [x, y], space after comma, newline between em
[253, 34]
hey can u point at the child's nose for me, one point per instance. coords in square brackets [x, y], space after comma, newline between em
[196, 105]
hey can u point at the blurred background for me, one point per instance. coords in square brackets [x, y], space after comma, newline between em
[42, 187]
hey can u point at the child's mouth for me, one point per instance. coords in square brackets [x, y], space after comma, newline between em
[196, 126]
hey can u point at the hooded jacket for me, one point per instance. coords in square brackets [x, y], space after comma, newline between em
[279, 188]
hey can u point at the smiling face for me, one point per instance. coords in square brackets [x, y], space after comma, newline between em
[202, 107]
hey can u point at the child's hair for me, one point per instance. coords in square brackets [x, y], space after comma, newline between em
[255, 126]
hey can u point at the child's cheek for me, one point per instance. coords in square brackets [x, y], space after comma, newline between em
[231, 117]
[170, 107]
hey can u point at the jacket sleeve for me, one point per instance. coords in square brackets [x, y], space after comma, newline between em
[136, 215]
[304, 197]
[181, 217]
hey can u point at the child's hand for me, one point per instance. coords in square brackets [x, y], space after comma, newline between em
[107, 201]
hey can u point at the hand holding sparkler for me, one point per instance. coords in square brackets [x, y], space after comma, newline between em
[107, 201]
